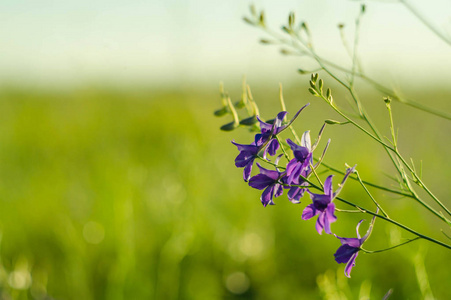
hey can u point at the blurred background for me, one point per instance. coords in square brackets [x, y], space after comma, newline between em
[116, 182]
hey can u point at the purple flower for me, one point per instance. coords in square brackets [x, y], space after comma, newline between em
[302, 159]
[301, 164]
[296, 192]
[270, 181]
[248, 153]
[349, 249]
[265, 141]
[270, 130]
[323, 206]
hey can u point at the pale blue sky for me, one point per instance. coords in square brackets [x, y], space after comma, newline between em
[184, 42]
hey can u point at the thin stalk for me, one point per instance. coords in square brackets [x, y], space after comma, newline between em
[270, 162]
[422, 184]
[347, 210]
[284, 108]
[363, 210]
[396, 152]
[386, 249]
[317, 177]
[282, 148]
[375, 84]
[425, 22]
[367, 182]
[396, 223]
[371, 196]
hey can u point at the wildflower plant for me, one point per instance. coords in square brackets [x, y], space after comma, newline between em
[291, 163]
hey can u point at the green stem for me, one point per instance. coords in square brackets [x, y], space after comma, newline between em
[375, 84]
[270, 162]
[381, 217]
[317, 177]
[367, 182]
[369, 194]
[425, 22]
[395, 151]
[422, 184]
[386, 249]
[396, 223]
[282, 148]
[347, 210]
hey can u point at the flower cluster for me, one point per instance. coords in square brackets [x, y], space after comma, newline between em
[294, 176]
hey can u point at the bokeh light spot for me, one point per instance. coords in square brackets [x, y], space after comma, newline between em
[19, 280]
[93, 232]
[237, 283]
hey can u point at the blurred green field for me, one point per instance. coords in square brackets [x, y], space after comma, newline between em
[109, 194]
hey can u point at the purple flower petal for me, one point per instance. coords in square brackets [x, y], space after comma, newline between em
[329, 217]
[294, 169]
[265, 127]
[357, 229]
[247, 148]
[350, 265]
[267, 195]
[352, 242]
[320, 201]
[344, 253]
[328, 186]
[272, 147]
[247, 171]
[243, 159]
[305, 140]
[260, 181]
[309, 212]
[320, 222]
[274, 175]
[277, 126]
[278, 190]
[295, 194]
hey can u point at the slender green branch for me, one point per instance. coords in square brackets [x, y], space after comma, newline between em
[396, 223]
[284, 108]
[422, 184]
[270, 162]
[317, 177]
[367, 182]
[388, 147]
[417, 14]
[386, 249]
[283, 149]
[386, 91]
[356, 42]
[363, 210]
[369, 194]
[348, 211]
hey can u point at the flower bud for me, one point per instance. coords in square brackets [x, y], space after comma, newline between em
[220, 112]
[249, 121]
[229, 126]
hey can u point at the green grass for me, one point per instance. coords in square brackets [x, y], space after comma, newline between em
[117, 195]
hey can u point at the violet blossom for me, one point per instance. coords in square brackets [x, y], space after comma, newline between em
[248, 153]
[323, 206]
[270, 181]
[350, 247]
[298, 189]
[265, 141]
[303, 157]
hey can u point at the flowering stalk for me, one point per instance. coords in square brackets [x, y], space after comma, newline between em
[305, 47]
[364, 210]
[316, 90]
[296, 174]
[299, 46]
